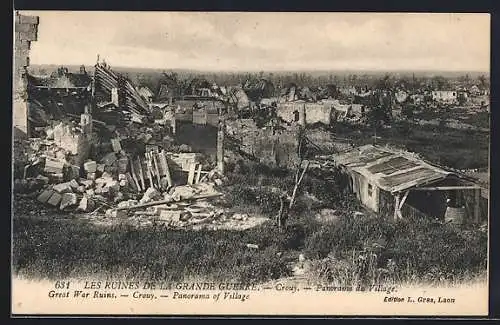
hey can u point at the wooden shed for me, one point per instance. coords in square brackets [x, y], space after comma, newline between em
[399, 184]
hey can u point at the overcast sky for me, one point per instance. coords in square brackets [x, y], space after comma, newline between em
[265, 41]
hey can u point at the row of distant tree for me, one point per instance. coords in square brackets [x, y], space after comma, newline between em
[280, 81]
[153, 78]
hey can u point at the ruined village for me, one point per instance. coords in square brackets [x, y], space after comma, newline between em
[353, 178]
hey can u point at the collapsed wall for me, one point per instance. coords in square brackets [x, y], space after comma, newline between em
[26, 30]
[271, 147]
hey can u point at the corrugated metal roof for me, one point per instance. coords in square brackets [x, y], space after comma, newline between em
[389, 169]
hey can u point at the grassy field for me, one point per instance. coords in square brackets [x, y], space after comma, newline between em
[460, 149]
[356, 250]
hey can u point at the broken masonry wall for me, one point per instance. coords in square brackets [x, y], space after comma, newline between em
[314, 112]
[25, 29]
[75, 142]
[270, 147]
[280, 149]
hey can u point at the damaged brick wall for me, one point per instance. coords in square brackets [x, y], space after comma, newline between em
[26, 30]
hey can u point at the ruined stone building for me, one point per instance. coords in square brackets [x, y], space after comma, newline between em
[26, 30]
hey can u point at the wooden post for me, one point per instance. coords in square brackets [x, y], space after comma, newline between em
[156, 169]
[191, 173]
[198, 174]
[477, 198]
[141, 173]
[164, 165]
[220, 145]
[401, 203]
[173, 121]
[297, 183]
[149, 167]
[396, 206]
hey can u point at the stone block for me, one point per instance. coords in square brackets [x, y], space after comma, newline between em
[109, 159]
[32, 20]
[21, 52]
[45, 196]
[87, 183]
[101, 168]
[91, 176]
[75, 171]
[68, 200]
[169, 215]
[22, 60]
[30, 35]
[86, 204]
[90, 166]
[63, 188]
[23, 44]
[73, 184]
[53, 165]
[55, 199]
[24, 28]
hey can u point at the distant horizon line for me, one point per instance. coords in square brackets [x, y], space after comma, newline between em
[271, 70]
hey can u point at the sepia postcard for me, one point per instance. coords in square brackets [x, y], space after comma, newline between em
[250, 163]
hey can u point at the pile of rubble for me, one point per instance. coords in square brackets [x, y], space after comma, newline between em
[123, 177]
[185, 206]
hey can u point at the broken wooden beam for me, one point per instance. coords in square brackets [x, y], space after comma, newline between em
[297, 183]
[149, 169]
[156, 169]
[150, 204]
[134, 176]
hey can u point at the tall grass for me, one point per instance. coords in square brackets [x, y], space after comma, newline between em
[55, 249]
[367, 250]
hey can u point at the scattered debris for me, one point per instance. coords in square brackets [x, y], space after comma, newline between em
[252, 246]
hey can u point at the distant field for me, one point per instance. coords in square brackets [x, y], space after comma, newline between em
[460, 149]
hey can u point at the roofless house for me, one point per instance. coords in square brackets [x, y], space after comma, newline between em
[400, 184]
[61, 93]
